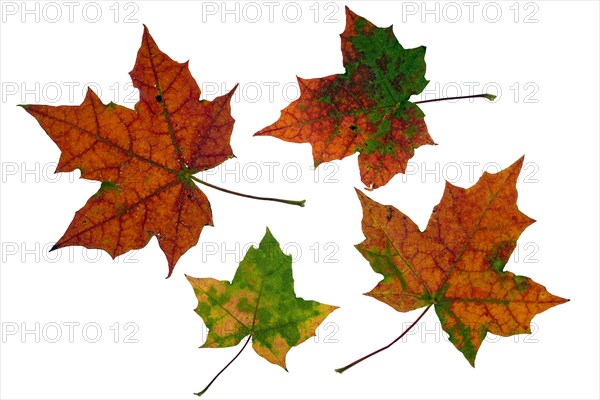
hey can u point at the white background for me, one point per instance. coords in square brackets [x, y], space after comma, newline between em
[553, 119]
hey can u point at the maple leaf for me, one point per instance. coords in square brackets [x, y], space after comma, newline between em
[145, 158]
[364, 110]
[457, 263]
[259, 303]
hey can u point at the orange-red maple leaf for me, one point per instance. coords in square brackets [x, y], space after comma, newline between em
[144, 158]
[364, 110]
[457, 263]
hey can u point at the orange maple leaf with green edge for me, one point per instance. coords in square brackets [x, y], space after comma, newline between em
[145, 158]
[366, 109]
[457, 264]
[260, 304]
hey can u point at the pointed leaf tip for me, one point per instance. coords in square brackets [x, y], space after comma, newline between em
[362, 197]
[518, 163]
[268, 232]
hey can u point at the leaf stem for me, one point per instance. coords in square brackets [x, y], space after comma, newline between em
[340, 370]
[292, 202]
[490, 97]
[224, 368]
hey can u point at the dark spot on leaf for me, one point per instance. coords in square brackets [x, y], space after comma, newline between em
[353, 127]
[159, 98]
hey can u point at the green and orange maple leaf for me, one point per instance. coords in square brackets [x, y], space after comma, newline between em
[145, 158]
[364, 110]
[457, 264]
[260, 303]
